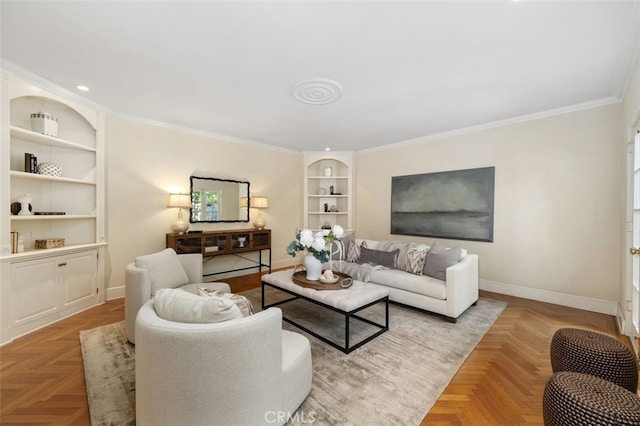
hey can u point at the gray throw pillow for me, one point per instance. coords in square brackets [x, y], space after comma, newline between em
[378, 257]
[439, 258]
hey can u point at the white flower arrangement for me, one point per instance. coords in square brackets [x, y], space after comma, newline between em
[317, 244]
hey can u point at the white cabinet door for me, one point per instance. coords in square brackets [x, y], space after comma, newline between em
[79, 274]
[45, 290]
[35, 290]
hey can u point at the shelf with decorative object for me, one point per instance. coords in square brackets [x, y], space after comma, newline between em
[54, 217]
[328, 190]
[35, 176]
[65, 171]
[227, 242]
[330, 214]
[39, 138]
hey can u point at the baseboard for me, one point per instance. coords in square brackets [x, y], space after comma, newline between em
[115, 293]
[608, 307]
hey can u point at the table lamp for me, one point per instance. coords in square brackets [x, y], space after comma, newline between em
[180, 201]
[260, 203]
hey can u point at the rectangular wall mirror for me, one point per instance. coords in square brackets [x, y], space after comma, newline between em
[218, 200]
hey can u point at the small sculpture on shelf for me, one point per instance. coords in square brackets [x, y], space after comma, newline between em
[24, 201]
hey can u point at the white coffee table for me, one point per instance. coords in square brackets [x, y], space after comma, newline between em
[348, 302]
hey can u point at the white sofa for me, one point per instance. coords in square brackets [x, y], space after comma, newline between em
[244, 371]
[449, 298]
[140, 284]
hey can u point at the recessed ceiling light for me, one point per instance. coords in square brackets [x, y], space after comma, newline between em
[317, 91]
[82, 87]
[327, 149]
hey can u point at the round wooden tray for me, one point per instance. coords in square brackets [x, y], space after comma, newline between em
[300, 278]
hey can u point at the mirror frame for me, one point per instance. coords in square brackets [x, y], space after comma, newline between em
[191, 178]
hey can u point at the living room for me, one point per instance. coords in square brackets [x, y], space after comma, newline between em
[560, 226]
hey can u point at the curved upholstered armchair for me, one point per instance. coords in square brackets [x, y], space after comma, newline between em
[244, 371]
[165, 269]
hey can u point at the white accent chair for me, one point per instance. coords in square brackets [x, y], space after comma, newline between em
[141, 284]
[244, 371]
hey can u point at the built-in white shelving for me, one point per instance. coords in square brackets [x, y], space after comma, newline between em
[40, 286]
[329, 196]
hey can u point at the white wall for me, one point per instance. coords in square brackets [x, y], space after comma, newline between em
[557, 206]
[145, 163]
[557, 198]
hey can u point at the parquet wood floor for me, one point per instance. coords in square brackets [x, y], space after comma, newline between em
[503, 379]
[501, 383]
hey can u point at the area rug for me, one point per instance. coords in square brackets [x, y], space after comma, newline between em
[393, 379]
[109, 373]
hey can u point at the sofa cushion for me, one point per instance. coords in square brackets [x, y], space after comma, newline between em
[419, 284]
[243, 303]
[378, 257]
[164, 269]
[439, 258]
[180, 306]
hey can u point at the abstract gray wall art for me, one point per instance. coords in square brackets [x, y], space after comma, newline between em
[455, 204]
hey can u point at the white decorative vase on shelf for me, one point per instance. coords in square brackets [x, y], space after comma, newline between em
[313, 267]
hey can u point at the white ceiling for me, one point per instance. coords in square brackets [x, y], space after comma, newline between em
[407, 69]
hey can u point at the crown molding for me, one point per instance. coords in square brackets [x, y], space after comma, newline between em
[498, 123]
[204, 133]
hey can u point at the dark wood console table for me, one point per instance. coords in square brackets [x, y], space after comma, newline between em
[218, 243]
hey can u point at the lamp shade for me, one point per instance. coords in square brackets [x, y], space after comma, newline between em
[244, 202]
[179, 200]
[260, 202]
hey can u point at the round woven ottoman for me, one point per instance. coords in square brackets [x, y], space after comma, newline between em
[572, 399]
[584, 351]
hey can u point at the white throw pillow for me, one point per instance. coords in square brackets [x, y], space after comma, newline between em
[178, 305]
[164, 268]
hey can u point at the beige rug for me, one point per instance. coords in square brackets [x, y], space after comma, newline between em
[394, 379]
